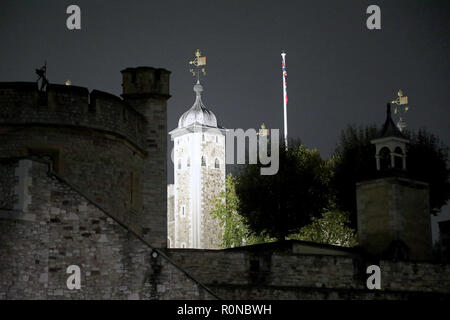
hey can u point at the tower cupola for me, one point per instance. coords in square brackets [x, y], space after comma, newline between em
[390, 147]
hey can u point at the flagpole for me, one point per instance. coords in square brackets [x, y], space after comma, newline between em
[284, 73]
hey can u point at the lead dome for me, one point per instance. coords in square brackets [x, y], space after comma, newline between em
[198, 113]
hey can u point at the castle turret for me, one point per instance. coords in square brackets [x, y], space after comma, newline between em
[393, 211]
[147, 90]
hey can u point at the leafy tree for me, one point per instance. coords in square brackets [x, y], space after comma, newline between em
[332, 228]
[427, 160]
[226, 210]
[277, 205]
[354, 161]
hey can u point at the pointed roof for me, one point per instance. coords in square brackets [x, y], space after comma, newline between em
[389, 128]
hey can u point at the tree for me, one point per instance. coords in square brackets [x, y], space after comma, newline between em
[226, 210]
[354, 161]
[279, 205]
[427, 160]
[332, 228]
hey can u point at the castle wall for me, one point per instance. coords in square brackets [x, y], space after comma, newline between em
[22, 104]
[63, 228]
[271, 274]
[113, 149]
[100, 165]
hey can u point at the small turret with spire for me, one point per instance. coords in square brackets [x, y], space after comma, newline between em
[390, 145]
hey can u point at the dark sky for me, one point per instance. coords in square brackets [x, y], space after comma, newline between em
[339, 72]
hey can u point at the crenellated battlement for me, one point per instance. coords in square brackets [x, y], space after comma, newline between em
[21, 103]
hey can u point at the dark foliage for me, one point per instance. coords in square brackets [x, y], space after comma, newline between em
[279, 205]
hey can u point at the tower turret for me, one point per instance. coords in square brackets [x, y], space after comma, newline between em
[147, 90]
[393, 211]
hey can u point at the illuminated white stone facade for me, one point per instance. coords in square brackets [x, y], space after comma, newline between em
[199, 177]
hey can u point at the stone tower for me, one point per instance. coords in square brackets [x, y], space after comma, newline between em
[199, 177]
[147, 90]
[393, 211]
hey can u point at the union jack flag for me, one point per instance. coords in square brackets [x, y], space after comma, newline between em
[283, 67]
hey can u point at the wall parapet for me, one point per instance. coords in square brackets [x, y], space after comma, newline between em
[21, 103]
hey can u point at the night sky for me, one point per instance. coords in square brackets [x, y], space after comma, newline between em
[339, 72]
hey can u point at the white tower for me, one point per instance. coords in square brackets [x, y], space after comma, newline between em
[199, 177]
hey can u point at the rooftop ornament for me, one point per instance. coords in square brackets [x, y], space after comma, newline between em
[42, 77]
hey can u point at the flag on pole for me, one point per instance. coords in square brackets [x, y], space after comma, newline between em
[283, 66]
[285, 97]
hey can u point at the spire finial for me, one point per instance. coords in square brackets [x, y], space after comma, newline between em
[199, 63]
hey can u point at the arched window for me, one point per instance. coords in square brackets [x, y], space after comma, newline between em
[385, 158]
[203, 161]
[217, 164]
[179, 163]
[398, 160]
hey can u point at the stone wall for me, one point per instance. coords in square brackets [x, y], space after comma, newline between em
[212, 184]
[394, 209]
[63, 228]
[21, 103]
[147, 90]
[183, 177]
[273, 274]
[111, 148]
[99, 165]
[7, 182]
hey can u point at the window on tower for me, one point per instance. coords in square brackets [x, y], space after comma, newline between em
[188, 162]
[217, 164]
[179, 164]
[203, 161]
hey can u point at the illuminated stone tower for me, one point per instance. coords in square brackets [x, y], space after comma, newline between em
[199, 176]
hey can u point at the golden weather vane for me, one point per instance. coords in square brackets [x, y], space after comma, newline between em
[401, 108]
[263, 131]
[400, 101]
[199, 63]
